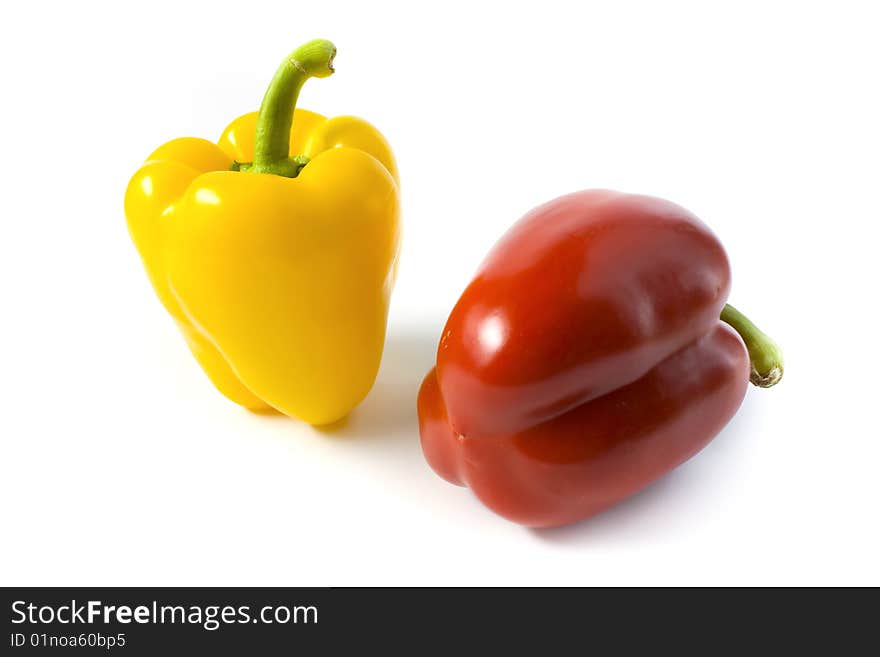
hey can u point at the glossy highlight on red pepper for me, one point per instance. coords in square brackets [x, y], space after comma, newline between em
[585, 359]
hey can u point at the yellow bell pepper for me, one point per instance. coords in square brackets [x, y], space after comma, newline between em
[277, 269]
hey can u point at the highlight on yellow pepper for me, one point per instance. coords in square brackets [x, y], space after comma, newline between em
[277, 268]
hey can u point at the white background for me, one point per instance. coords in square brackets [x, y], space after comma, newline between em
[120, 463]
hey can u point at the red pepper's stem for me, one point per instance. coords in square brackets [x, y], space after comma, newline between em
[764, 354]
[272, 142]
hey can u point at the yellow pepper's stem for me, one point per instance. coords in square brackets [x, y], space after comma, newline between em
[764, 354]
[272, 143]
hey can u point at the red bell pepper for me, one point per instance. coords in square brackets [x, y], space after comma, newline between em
[592, 353]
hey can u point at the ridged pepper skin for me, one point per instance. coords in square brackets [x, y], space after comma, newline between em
[280, 285]
[585, 359]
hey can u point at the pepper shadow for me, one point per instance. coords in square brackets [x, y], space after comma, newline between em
[388, 414]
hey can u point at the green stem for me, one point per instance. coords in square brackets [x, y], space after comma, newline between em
[272, 143]
[764, 354]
